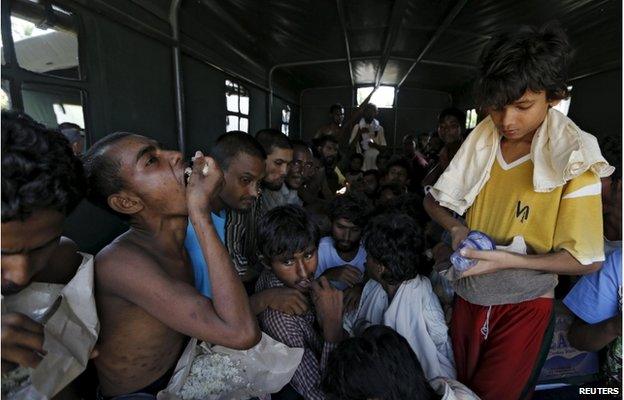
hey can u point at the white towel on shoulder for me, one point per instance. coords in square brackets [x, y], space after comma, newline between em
[416, 314]
[560, 151]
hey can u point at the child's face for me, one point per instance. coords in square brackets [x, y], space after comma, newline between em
[356, 164]
[520, 119]
[296, 271]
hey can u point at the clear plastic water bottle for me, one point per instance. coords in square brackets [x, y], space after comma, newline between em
[475, 240]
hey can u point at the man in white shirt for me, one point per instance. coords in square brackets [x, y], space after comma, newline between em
[368, 137]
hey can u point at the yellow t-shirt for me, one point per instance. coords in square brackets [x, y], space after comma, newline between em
[569, 217]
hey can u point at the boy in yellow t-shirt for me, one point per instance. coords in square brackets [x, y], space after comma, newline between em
[502, 319]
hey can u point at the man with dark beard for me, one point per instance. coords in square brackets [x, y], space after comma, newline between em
[341, 255]
[327, 148]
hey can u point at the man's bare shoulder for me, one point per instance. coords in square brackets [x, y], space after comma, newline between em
[123, 263]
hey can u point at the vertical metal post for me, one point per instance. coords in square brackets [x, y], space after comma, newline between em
[177, 74]
[396, 118]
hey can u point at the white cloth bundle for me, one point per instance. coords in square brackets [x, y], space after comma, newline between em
[218, 373]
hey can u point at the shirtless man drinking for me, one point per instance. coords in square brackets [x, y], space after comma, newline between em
[145, 295]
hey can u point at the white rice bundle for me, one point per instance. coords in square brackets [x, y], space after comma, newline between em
[13, 380]
[212, 374]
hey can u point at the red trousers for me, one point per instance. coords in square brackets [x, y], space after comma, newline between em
[499, 350]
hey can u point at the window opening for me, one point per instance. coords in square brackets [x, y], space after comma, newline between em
[45, 40]
[53, 105]
[237, 107]
[471, 118]
[5, 98]
[382, 98]
[286, 120]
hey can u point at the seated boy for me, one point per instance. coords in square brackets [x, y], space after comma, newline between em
[399, 294]
[288, 242]
[146, 297]
[341, 256]
[42, 182]
[526, 170]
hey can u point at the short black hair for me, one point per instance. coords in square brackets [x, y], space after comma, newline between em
[334, 107]
[399, 162]
[352, 206]
[528, 58]
[270, 139]
[397, 242]
[39, 169]
[298, 144]
[286, 230]
[410, 136]
[230, 144]
[320, 142]
[410, 204]
[380, 364]
[458, 114]
[102, 172]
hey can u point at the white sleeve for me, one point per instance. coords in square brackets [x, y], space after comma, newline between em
[381, 137]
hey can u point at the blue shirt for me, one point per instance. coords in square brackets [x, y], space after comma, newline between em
[328, 257]
[598, 296]
[200, 267]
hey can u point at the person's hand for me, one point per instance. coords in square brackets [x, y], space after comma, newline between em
[328, 303]
[488, 261]
[22, 342]
[352, 297]
[204, 183]
[287, 300]
[347, 274]
[458, 233]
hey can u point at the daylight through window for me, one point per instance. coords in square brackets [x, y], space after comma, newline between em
[285, 120]
[382, 98]
[237, 105]
[471, 118]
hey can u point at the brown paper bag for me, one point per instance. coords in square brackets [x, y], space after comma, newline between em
[71, 328]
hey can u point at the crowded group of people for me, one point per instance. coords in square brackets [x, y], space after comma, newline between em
[337, 246]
